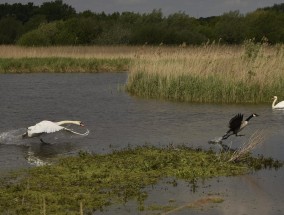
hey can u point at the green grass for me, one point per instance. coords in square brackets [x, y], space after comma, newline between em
[62, 65]
[217, 74]
[193, 88]
[96, 181]
[251, 73]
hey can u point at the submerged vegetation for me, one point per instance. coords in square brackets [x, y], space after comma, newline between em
[251, 73]
[91, 182]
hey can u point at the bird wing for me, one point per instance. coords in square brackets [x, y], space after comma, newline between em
[44, 127]
[236, 121]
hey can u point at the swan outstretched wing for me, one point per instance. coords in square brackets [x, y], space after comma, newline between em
[44, 127]
[49, 127]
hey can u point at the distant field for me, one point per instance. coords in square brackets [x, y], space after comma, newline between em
[68, 51]
[16, 59]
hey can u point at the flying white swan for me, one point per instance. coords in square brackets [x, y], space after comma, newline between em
[51, 127]
[277, 106]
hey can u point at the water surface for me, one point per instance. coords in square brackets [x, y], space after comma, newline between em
[117, 120]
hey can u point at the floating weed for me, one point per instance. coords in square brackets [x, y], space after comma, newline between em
[90, 182]
[204, 201]
[161, 208]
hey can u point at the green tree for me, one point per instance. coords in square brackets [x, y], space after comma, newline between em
[84, 29]
[56, 10]
[21, 12]
[34, 22]
[114, 35]
[267, 24]
[44, 35]
[11, 29]
[230, 28]
[182, 28]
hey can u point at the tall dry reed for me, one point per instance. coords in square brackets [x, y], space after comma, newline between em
[11, 51]
[209, 73]
[243, 151]
[17, 59]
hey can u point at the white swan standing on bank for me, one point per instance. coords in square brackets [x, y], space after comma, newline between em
[51, 127]
[277, 106]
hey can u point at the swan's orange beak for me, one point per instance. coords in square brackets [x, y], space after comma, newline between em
[81, 124]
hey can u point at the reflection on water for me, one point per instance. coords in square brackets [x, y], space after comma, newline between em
[34, 160]
[116, 120]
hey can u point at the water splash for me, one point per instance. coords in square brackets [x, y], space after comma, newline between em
[12, 137]
[34, 160]
[216, 140]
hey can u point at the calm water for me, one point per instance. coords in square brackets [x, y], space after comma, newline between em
[116, 120]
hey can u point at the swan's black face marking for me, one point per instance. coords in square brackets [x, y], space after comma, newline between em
[82, 124]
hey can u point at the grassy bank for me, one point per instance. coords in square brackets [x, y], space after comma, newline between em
[251, 73]
[91, 182]
[16, 59]
[62, 65]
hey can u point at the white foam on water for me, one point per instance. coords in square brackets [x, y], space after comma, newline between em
[12, 137]
[215, 140]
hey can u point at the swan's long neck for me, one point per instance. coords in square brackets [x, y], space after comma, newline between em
[68, 122]
[273, 103]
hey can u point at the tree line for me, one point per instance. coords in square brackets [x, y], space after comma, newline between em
[56, 23]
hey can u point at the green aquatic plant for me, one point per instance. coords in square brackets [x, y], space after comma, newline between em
[192, 88]
[90, 182]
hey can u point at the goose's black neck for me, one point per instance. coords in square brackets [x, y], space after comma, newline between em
[251, 116]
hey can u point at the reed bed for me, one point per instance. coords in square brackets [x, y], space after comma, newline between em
[209, 73]
[109, 52]
[62, 65]
[18, 59]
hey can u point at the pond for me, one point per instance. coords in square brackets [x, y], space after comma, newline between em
[117, 120]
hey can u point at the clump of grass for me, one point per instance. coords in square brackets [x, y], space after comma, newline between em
[210, 73]
[91, 182]
[242, 152]
[62, 65]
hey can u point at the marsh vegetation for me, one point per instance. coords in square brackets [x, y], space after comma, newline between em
[15, 59]
[92, 182]
[251, 73]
